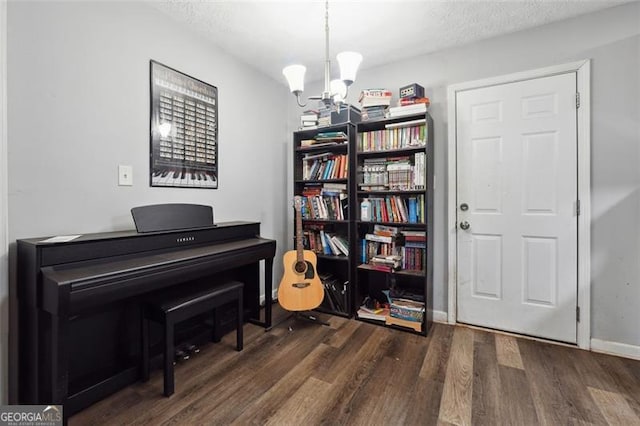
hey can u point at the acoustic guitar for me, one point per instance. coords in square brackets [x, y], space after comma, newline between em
[300, 288]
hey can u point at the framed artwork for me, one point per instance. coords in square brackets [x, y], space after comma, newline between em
[184, 130]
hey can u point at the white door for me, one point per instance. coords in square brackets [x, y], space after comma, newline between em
[517, 175]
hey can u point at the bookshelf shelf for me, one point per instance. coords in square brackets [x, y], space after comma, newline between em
[401, 224]
[391, 191]
[377, 124]
[387, 152]
[398, 272]
[327, 197]
[316, 148]
[336, 258]
[394, 228]
[325, 221]
[321, 181]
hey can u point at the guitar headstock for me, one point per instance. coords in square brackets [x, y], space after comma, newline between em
[297, 202]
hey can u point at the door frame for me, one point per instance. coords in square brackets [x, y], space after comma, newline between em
[583, 73]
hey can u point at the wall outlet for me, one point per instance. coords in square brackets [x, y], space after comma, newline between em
[125, 175]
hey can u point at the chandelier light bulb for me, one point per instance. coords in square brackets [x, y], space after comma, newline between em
[338, 90]
[349, 63]
[295, 77]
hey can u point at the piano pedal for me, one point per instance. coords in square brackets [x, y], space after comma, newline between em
[192, 349]
[181, 355]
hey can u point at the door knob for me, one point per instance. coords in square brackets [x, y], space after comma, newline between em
[464, 225]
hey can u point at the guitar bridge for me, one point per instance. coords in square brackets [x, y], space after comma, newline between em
[300, 285]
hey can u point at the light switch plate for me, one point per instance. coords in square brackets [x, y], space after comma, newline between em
[125, 175]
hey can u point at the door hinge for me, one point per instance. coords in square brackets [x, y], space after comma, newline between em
[577, 100]
[577, 207]
[577, 313]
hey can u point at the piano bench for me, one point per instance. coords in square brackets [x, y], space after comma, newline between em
[169, 309]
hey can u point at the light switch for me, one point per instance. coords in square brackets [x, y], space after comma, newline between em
[125, 175]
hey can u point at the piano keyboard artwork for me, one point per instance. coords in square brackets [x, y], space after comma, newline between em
[184, 129]
[189, 178]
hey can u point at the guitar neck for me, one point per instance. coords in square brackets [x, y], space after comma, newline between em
[299, 247]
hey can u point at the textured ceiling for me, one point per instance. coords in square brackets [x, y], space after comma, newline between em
[272, 34]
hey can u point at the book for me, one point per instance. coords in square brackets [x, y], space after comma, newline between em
[385, 230]
[400, 111]
[379, 238]
[411, 101]
[413, 210]
[376, 315]
[341, 243]
[375, 97]
[332, 245]
[338, 136]
[417, 326]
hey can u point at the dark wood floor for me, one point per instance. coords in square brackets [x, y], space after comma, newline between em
[353, 373]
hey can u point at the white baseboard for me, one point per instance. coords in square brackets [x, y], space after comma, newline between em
[440, 316]
[274, 296]
[615, 348]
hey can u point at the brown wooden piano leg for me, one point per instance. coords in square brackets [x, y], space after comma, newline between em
[168, 358]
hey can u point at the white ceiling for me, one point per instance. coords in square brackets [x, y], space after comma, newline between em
[272, 34]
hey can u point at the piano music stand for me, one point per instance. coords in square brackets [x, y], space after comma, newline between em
[170, 217]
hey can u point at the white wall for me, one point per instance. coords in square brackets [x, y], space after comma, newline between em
[611, 39]
[78, 105]
[4, 250]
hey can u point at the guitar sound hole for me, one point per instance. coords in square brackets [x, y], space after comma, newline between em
[300, 267]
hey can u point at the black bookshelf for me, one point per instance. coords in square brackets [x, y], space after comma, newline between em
[334, 219]
[388, 155]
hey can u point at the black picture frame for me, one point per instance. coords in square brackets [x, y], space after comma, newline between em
[183, 130]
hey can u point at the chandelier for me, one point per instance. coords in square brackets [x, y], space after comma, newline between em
[334, 91]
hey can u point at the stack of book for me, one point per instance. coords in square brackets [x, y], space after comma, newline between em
[386, 263]
[381, 246]
[325, 139]
[316, 239]
[406, 313]
[326, 202]
[414, 250]
[372, 309]
[374, 103]
[411, 109]
[405, 308]
[338, 137]
[309, 119]
[324, 117]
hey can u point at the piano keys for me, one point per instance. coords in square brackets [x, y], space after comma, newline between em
[183, 177]
[79, 302]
